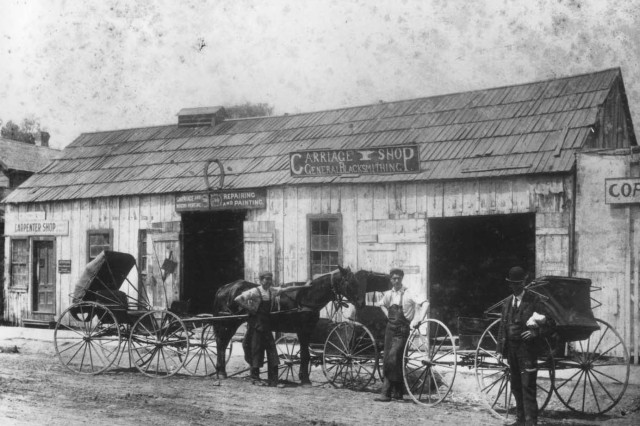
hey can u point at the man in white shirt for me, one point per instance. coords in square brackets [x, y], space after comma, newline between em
[404, 310]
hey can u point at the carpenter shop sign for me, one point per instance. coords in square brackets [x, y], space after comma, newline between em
[622, 191]
[38, 227]
[239, 199]
[363, 161]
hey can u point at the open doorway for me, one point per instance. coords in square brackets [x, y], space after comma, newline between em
[469, 259]
[213, 255]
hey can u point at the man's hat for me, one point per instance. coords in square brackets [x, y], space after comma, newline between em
[397, 271]
[516, 275]
[265, 274]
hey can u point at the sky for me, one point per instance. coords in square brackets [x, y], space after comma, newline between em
[82, 66]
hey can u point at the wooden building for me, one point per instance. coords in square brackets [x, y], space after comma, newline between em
[18, 161]
[454, 189]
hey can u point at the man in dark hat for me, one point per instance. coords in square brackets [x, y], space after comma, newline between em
[523, 322]
[404, 310]
[260, 302]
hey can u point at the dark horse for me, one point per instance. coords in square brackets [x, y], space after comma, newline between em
[300, 312]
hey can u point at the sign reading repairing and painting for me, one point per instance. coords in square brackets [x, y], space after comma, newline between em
[364, 161]
[622, 191]
[38, 227]
[238, 199]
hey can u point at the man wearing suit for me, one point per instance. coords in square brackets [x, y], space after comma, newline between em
[523, 320]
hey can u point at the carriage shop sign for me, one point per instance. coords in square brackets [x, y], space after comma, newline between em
[364, 161]
[622, 191]
[240, 199]
[39, 227]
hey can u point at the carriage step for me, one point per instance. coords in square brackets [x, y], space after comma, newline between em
[36, 323]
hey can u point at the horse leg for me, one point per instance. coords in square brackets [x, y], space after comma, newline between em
[223, 337]
[305, 358]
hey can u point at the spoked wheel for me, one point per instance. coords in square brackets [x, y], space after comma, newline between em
[429, 363]
[87, 338]
[159, 344]
[202, 357]
[493, 376]
[289, 354]
[350, 357]
[595, 373]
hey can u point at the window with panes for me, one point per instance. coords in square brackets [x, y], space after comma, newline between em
[98, 240]
[325, 243]
[19, 263]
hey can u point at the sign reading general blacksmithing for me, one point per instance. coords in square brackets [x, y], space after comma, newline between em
[363, 161]
[622, 191]
[238, 199]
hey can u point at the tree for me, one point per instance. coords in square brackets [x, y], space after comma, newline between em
[26, 132]
[249, 110]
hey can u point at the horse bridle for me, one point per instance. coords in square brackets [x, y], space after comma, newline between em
[338, 297]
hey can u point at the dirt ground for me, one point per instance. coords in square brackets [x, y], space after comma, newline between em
[36, 390]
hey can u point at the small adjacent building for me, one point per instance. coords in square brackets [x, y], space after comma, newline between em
[454, 189]
[18, 161]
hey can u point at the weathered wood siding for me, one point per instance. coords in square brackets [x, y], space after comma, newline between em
[383, 226]
[387, 225]
[607, 243]
[124, 215]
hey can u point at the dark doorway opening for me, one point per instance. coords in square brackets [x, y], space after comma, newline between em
[213, 255]
[469, 259]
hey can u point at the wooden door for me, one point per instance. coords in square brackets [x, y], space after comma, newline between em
[259, 250]
[162, 284]
[44, 276]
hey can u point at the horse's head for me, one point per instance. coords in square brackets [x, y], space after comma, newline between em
[347, 286]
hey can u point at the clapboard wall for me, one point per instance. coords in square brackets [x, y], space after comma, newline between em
[607, 242]
[383, 225]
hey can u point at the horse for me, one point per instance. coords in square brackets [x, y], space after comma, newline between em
[300, 312]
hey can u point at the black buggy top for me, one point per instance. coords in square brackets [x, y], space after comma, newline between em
[102, 278]
[568, 301]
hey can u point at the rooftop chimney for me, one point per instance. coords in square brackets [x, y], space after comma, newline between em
[200, 117]
[42, 139]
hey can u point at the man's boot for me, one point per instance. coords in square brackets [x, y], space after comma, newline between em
[273, 375]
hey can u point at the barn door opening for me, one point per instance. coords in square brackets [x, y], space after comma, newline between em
[469, 258]
[213, 255]
[44, 276]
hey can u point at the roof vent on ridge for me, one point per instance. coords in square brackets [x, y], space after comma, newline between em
[200, 117]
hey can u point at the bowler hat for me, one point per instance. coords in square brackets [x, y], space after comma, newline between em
[265, 274]
[516, 275]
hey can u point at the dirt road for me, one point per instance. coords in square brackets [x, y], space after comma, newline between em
[36, 390]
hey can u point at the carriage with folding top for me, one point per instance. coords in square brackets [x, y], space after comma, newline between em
[111, 321]
[583, 361]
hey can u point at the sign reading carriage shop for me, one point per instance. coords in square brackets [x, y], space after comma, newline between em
[361, 161]
[239, 199]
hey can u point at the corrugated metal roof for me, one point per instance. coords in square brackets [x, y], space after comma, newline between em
[515, 130]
